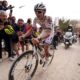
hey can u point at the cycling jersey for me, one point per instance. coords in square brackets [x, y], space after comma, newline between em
[47, 26]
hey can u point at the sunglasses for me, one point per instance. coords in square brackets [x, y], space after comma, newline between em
[39, 12]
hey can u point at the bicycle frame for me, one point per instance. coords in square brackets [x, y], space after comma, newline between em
[36, 50]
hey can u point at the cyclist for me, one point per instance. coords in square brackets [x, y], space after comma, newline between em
[46, 24]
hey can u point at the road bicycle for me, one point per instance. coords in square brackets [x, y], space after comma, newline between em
[25, 66]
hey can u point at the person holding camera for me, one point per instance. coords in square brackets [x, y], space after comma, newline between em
[5, 6]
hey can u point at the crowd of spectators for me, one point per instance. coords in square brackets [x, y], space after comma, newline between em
[12, 31]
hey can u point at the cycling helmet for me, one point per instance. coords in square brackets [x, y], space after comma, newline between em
[40, 6]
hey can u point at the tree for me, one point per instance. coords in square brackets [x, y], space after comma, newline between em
[63, 24]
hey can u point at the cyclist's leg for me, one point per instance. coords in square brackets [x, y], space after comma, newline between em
[46, 45]
[46, 50]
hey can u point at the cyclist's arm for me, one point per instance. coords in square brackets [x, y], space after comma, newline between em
[46, 33]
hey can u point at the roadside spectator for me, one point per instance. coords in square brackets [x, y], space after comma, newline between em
[5, 6]
[55, 40]
[4, 36]
[28, 28]
[19, 29]
[27, 32]
[12, 21]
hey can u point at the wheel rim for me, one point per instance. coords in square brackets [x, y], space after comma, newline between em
[24, 68]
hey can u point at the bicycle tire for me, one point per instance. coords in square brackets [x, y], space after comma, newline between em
[11, 76]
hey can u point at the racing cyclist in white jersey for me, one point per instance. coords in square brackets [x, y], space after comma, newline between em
[46, 24]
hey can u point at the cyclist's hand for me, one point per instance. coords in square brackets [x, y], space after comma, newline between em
[35, 41]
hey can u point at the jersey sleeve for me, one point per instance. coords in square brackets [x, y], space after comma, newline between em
[49, 22]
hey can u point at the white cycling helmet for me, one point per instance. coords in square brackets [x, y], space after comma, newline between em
[40, 6]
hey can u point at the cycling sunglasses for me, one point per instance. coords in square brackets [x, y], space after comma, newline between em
[39, 12]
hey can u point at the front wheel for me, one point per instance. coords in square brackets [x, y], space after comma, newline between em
[24, 66]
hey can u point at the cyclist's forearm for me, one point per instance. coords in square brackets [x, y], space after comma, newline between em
[44, 36]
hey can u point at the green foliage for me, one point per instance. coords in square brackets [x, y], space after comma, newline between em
[63, 24]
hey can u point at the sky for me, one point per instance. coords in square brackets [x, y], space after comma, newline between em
[69, 9]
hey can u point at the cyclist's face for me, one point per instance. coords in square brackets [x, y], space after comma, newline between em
[39, 14]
